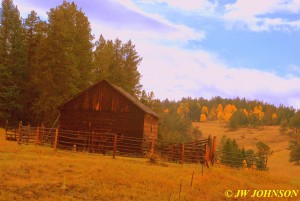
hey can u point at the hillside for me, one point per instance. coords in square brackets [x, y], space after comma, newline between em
[39, 173]
[248, 137]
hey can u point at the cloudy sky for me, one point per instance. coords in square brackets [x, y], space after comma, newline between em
[201, 48]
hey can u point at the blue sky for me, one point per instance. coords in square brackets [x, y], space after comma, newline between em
[201, 48]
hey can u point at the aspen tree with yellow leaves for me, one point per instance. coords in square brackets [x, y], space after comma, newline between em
[183, 109]
[203, 118]
[228, 111]
[258, 110]
[204, 110]
[220, 115]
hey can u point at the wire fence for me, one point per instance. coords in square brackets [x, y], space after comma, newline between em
[107, 143]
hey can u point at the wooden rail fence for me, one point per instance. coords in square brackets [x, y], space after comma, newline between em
[106, 143]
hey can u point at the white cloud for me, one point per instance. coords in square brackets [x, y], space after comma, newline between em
[174, 73]
[188, 5]
[247, 14]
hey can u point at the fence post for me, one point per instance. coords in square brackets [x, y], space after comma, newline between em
[213, 150]
[55, 141]
[37, 136]
[182, 153]
[207, 155]
[115, 146]
[19, 132]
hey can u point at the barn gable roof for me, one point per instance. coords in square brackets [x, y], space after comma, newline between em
[131, 98]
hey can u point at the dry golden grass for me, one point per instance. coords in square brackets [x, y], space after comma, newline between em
[248, 137]
[38, 173]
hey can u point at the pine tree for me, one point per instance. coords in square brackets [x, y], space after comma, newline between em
[66, 60]
[12, 71]
[118, 62]
[35, 31]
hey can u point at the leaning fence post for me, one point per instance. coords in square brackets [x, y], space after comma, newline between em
[182, 153]
[37, 136]
[115, 146]
[55, 141]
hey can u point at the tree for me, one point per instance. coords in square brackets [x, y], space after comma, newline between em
[12, 71]
[295, 122]
[202, 118]
[220, 114]
[238, 119]
[196, 132]
[183, 110]
[264, 151]
[117, 62]
[228, 111]
[283, 126]
[295, 150]
[35, 31]
[204, 110]
[231, 154]
[65, 61]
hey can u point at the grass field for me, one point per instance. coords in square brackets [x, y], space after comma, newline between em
[38, 173]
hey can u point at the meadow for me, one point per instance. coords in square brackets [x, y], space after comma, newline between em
[278, 162]
[28, 172]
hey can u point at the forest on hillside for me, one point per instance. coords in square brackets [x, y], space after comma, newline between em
[45, 63]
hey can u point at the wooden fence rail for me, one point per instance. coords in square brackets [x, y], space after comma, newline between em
[116, 144]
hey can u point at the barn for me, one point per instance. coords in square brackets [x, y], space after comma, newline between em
[106, 108]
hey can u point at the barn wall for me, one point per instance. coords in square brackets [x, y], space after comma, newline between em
[150, 127]
[128, 124]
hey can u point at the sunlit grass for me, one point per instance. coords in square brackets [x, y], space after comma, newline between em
[38, 173]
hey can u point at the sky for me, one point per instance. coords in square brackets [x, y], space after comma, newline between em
[201, 48]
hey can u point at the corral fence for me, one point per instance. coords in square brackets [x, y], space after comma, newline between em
[106, 143]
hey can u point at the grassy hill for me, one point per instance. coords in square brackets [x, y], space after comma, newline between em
[38, 173]
[278, 163]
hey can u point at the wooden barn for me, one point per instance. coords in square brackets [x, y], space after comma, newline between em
[107, 108]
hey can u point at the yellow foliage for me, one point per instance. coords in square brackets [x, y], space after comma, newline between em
[166, 110]
[259, 111]
[202, 118]
[228, 111]
[204, 110]
[213, 114]
[220, 114]
[274, 116]
[183, 109]
[246, 112]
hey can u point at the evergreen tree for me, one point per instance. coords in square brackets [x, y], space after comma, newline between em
[12, 71]
[66, 61]
[35, 31]
[118, 62]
